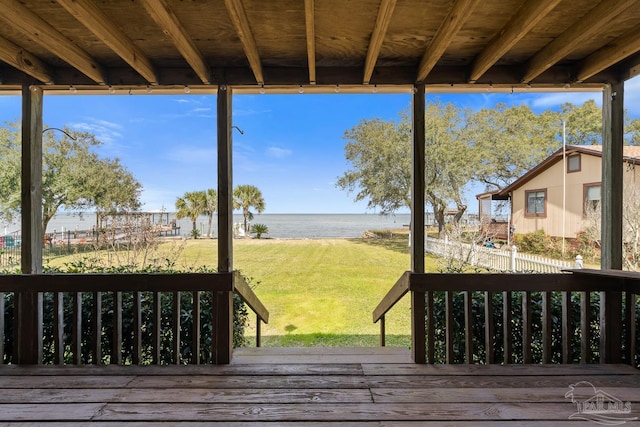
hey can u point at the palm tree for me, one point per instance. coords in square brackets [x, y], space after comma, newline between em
[245, 197]
[211, 197]
[259, 230]
[191, 205]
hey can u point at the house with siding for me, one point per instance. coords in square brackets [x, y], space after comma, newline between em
[554, 196]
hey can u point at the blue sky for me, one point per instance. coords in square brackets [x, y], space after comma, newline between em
[292, 148]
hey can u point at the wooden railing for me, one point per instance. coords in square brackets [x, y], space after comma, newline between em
[585, 316]
[121, 318]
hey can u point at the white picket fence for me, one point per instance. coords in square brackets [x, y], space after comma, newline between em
[497, 259]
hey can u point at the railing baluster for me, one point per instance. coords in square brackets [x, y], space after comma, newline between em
[97, 328]
[468, 327]
[546, 327]
[566, 327]
[58, 328]
[629, 324]
[488, 327]
[507, 305]
[176, 328]
[632, 330]
[259, 332]
[449, 326]
[76, 346]
[383, 340]
[116, 351]
[137, 329]
[2, 305]
[526, 327]
[195, 347]
[431, 329]
[585, 328]
[418, 333]
[157, 327]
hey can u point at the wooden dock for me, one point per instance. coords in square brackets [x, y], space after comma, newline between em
[348, 387]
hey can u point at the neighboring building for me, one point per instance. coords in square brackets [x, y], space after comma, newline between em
[572, 180]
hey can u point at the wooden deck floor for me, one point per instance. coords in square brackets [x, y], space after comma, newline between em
[311, 387]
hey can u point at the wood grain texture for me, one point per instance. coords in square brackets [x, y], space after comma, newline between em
[291, 393]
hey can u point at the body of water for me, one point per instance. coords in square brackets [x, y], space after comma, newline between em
[282, 226]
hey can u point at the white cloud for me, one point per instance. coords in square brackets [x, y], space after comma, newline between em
[105, 131]
[278, 153]
[555, 99]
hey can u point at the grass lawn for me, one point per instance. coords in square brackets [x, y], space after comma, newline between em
[319, 292]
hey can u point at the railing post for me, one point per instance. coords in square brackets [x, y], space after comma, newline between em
[418, 330]
[514, 252]
[578, 264]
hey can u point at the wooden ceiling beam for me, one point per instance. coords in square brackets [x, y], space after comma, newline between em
[162, 14]
[91, 16]
[614, 52]
[385, 12]
[519, 25]
[239, 18]
[583, 29]
[40, 31]
[310, 25]
[24, 61]
[456, 18]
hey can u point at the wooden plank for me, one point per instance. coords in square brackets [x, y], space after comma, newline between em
[581, 30]
[529, 14]
[116, 282]
[243, 289]
[448, 326]
[225, 181]
[458, 15]
[490, 395]
[176, 328]
[507, 327]
[43, 33]
[2, 315]
[163, 15]
[397, 291]
[585, 327]
[612, 53]
[240, 21]
[468, 328]
[91, 16]
[25, 61]
[591, 370]
[96, 330]
[489, 329]
[196, 326]
[76, 329]
[157, 327]
[418, 331]
[567, 334]
[116, 343]
[321, 412]
[527, 327]
[385, 12]
[310, 29]
[418, 185]
[546, 327]
[136, 352]
[49, 412]
[58, 327]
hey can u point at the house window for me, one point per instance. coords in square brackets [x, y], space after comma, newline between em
[573, 163]
[536, 203]
[592, 195]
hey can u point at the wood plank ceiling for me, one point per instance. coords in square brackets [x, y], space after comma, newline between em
[356, 44]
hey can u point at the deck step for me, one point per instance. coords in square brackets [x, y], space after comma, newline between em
[324, 355]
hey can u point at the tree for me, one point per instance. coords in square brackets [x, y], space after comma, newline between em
[74, 176]
[191, 205]
[245, 197]
[380, 155]
[259, 230]
[211, 204]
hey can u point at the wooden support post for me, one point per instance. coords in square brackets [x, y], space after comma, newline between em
[223, 301]
[418, 348]
[611, 206]
[28, 305]
[225, 182]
